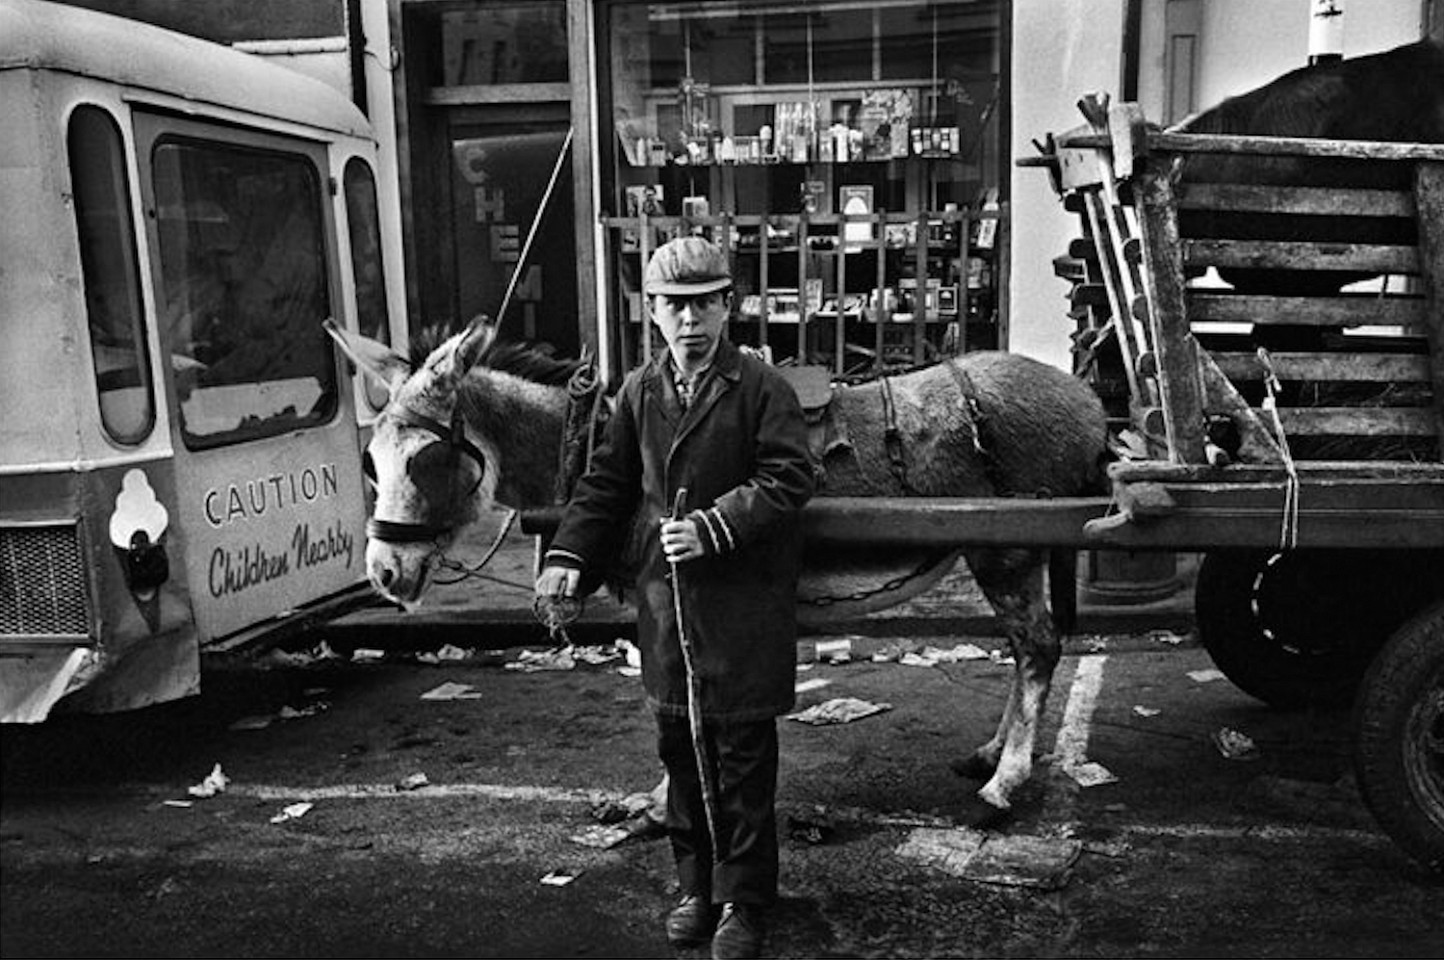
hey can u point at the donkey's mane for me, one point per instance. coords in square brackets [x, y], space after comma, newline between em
[529, 361]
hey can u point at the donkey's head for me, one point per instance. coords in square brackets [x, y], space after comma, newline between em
[431, 477]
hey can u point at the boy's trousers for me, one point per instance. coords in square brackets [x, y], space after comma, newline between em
[744, 766]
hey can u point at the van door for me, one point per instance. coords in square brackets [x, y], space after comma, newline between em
[240, 227]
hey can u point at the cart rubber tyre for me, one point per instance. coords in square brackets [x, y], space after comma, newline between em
[1299, 628]
[1399, 738]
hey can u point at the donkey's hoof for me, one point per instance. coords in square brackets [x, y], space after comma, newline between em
[973, 767]
[979, 814]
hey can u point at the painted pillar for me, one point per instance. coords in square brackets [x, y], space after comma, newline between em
[1062, 49]
[1326, 31]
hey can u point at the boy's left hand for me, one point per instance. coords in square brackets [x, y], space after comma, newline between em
[680, 541]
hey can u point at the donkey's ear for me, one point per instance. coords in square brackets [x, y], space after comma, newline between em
[474, 342]
[372, 356]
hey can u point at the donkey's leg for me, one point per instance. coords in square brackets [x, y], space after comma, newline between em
[982, 763]
[1012, 580]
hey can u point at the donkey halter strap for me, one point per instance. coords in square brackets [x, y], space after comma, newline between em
[454, 436]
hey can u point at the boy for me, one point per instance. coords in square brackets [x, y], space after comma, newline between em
[726, 431]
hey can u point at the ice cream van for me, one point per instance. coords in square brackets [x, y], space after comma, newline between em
[180, 445]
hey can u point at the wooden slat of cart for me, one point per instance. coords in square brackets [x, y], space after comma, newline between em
[1341, 311]
[1301, 255]
[1314, 201]
[1361, 367]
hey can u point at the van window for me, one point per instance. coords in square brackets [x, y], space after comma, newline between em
[110, 273]
[243, 289]
[364, 224]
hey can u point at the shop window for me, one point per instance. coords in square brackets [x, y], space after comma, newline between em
[110, 274]
[489, 44]
[244, 289]
[767, 126]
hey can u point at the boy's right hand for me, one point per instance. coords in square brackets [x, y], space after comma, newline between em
[556, 582]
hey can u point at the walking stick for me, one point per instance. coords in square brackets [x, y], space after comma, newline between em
[694, 689]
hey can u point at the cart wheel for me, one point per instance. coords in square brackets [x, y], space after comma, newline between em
[1299, 628]
[1399, 738]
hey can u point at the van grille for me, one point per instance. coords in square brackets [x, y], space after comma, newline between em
[42, 582]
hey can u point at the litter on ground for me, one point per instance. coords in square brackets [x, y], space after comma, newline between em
[309, 710]
[814, 683]
[1142, 711]
[447, 653]
[836, 650]
[214, 783]
[840, 710]
[293, 811]
[1234, 745]
[1018, 861]
[451, 690]
[1090, 774]
[534, 661]
[603, 836]
[596, 654]
[560, 878]
[1205, 676]
[413, 782]
[177, 803]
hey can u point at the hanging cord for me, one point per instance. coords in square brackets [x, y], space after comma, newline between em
[694, 688]
[1289, 530]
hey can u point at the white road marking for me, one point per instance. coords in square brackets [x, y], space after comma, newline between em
[1070, 748]
[381, 791]
[528, 794]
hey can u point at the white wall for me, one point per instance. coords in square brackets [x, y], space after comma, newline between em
[1062, 49]
[1247, 43]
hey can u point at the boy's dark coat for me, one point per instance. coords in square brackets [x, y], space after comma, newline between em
[741, 446]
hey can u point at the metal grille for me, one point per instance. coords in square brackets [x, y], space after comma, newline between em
[42, 582]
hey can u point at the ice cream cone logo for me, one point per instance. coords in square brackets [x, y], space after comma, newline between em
[137, 529]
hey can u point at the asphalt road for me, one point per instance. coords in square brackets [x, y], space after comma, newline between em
[1186, 853]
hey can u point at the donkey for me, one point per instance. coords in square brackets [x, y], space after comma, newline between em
[479, 423]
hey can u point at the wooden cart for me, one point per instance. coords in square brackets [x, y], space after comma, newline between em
[1308, 470]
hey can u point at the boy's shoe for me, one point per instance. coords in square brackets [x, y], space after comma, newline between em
[691, 922]
[739, 933]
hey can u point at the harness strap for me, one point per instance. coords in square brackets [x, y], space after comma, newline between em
[976, 421]
[892, 438]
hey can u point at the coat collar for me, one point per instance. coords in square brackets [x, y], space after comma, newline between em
[726, 371]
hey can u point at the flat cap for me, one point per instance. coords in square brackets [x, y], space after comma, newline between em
[687, 266]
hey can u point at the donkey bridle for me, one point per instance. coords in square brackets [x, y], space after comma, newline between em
[454, 436]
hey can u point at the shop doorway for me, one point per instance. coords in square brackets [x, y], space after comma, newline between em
[486, 116]
[510, 182]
